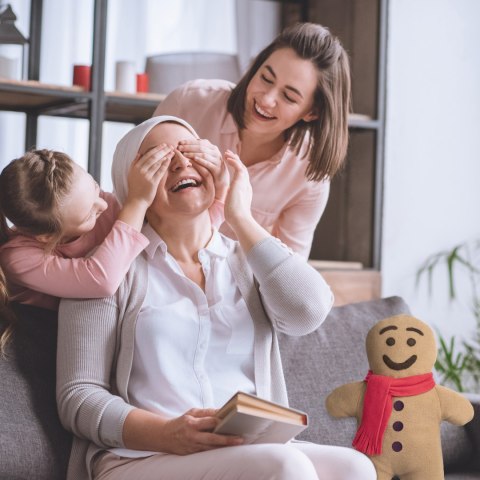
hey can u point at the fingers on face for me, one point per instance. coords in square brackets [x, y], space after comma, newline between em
[203, 171]
[155, 159]
[194, 142]
[210, 163]
[195, 147]
[155, 154]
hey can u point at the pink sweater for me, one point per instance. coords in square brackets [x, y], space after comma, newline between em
[284, 201]
[72, 270]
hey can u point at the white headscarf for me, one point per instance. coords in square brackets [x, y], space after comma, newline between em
[127, 149]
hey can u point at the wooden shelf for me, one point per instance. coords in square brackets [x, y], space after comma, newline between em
[131, 108]
[334, 265]
[72, 101]
[350, 286]
[30, 96]
[359, 121]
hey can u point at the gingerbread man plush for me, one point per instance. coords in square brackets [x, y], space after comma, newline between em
[398, 406]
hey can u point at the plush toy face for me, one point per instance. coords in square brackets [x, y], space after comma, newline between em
[401, 346]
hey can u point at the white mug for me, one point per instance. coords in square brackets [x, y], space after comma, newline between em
[125, 77]
[9, 68]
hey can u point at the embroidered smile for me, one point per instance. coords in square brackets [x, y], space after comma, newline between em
[399, 366]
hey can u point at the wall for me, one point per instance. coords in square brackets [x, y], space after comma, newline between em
[134, 30]
[432, 156]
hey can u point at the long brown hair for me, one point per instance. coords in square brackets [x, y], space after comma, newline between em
[6, 315]
[31, 190]
[328, 134]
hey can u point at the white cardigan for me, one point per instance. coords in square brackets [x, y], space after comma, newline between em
[96, 341]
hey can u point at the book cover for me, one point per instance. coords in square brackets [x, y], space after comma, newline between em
[260, 421]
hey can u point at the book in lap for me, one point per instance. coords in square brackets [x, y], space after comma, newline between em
[259, 421]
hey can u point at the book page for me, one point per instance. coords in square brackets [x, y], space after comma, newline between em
[258, 430]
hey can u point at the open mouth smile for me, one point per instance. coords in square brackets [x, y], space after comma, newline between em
[399, 366]
[184, 184]
[262, 113]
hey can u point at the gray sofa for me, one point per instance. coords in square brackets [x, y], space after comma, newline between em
[34, 446]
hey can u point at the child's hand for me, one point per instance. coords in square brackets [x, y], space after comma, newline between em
[146, 172]
[209, 157]
[238, 201]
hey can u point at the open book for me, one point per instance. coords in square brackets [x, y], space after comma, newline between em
[258, 420]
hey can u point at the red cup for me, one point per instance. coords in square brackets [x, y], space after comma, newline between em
[142, 83]
[82, 76]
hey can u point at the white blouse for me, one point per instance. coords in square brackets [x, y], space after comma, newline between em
[192, 348]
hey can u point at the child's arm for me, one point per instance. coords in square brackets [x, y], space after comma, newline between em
[27, 264]
[208, 156]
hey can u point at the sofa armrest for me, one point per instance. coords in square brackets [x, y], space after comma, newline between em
[33, 443]
[461, 445]
[473, 429]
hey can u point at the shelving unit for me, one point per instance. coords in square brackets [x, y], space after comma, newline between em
[350, 229]
[351, 225]
[42, 99]
[35, 98]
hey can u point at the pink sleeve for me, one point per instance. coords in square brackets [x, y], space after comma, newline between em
[296, 224]
[96, 276]
[172, 104]
[217, 214]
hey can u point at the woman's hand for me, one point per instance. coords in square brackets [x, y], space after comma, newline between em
[189, 433]
[209, 157]
[238, 201]
[238, 204]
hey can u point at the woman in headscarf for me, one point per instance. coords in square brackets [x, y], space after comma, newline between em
[141, 373]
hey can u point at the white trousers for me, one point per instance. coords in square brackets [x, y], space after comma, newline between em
[293, 461]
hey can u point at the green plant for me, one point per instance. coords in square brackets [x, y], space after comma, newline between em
[458, 364]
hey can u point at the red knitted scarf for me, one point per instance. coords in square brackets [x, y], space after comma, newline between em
[377, 406]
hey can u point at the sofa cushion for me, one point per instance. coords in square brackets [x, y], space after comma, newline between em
[33, 443]
[335, 354]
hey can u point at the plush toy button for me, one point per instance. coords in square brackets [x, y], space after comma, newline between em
[398, 406]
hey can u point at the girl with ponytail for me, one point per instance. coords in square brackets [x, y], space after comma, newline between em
[62, 236]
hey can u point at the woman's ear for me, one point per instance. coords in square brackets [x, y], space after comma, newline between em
[310, 117]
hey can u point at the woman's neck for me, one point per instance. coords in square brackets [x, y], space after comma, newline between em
[256, 148]
[184, 239]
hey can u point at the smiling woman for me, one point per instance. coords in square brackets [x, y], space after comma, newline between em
[287, 119]
[184, 188]
[188, 328]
